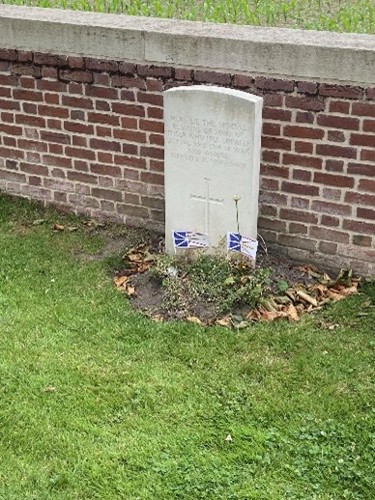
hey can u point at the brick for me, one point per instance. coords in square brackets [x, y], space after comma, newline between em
[276, 143]
[127, 95]
[269, 184]
[302, 161]
[301, 203]
[322, 233]
[50, 59]
[102, 106]
[34, 169]
[102, 92]
[12, 176]
[305, 117]
[275, 171]
[27, 95]
[361, 240]
[212, 77]
[101, 169]
[339, 151]
[78, 140]
[10, 164]
[130, 161]
[149, 98]
[270, 128]
[127, 68]
[131, 198]
[4, 66]
[361, 169]
[128, 82]
[29, 108]
[151, 70]
[367, 200]
[5, 92]
[130, 149]
[10, 142]
[104, 131]
[8, 54]
[57, 161]
[76, 62]
[273, 100]
[128, 109]
[102, 65]
[307, 88]
[297, 242]
[27, 144]
[274, 84]
[368, 155]
[329, 221]
[304, 147]
[55, 148]
[80, 153]
[327, 248]
[48, 136]
[77, 102]
[302, 175]
[268, 210]
[296, 228]
[131, 210]
[151, 126]
[152, 178]
[183, 74]
[104, 118]
[270, 156]
[155, 113]
[339, 107]
[362, 140]
[369, 126]
[10, 129]
[272, 224]
[25, 69]
[277, 114]
[81, 166]
[48, 72]
[32, 121]
[106, 194]
[79, 128]
[306, 103]
[76, 76]
[303, 132]
[53, 111]
[360, 227]
[130, 136]
[336, 136]
[331, 208]
[8, 80]
[334, 165]
[366, 213]
[105, 145]
[297, 188]
[363, 109]
[333, 180]
[340, 122]
[51, 98]
[154, 85]
[341, 91]
[367, 185]
[9, 105]
[27, 82]
[156, 139]
[33, 157]
[82, 177]
[299, 216]
[34, 180]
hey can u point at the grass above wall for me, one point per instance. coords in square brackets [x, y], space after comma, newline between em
[357, 16]
[98, 402]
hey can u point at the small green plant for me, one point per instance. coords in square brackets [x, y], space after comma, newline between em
[221, 283]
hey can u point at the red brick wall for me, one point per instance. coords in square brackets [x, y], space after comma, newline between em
[87, 135]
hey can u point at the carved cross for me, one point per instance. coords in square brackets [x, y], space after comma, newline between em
[207, 200]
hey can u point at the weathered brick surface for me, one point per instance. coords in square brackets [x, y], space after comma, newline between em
[87, 134]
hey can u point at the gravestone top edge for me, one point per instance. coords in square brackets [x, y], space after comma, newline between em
[240, 94]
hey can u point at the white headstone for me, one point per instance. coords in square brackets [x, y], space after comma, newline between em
[212, 157]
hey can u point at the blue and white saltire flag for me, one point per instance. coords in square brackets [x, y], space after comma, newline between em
[190, 239]
[236, 242]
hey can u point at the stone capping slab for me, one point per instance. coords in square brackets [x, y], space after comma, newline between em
[280, 52]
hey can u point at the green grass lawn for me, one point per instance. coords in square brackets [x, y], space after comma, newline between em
[333, 15]
[97, 402]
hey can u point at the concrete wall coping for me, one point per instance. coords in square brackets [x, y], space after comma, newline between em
[278, 52]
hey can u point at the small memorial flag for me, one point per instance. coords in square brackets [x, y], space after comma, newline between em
[189, 239]
[236, 242]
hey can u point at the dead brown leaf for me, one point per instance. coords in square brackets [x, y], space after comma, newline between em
[58, 227]
[292, 313]
[194, 319]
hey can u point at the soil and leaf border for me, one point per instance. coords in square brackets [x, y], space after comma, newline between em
[211, 289]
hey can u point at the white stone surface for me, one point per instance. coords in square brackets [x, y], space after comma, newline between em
[212, 156]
